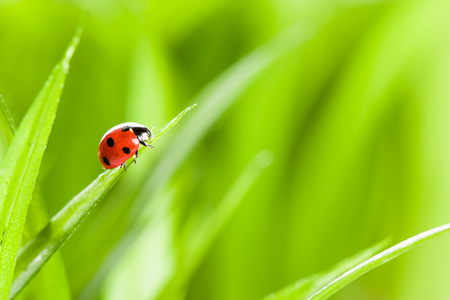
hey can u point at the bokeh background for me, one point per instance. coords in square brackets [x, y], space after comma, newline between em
[349, 100]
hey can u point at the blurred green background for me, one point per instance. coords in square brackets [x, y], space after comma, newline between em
[351, 101]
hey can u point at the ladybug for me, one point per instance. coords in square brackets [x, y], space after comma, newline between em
[122, 142]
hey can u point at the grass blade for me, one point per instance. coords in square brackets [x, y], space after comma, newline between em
[52, 281]
[38, 251]
[172, 123]
[20, 165]
[305, 287]
[198, 239]
[6, 121]
[376, 261]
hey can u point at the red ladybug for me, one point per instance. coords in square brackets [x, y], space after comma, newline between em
[122, 142]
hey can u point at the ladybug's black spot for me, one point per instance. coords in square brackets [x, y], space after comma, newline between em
[126, 150]
[110, 142]
[106, 161]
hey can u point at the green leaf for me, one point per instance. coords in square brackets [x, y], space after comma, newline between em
[305, 287]
[51, 283]
[6, 121]
[322, 286]
[37, 252]
[376, 261]
[199, 238]
[20, 165]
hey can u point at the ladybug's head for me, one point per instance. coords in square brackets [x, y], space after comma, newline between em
[142, 132]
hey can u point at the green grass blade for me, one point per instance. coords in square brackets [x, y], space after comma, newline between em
[20, 165]
[37, 252]
[198, 239]
[376, 261]
[6, 121]
[305, 287]
[52, 281]
[172, 123]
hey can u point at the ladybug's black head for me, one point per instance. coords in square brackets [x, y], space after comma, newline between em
[142, 132]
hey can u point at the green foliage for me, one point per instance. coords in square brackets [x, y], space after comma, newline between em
[7, 123]
[51, 282]
[376, 261]
[306, 287]
[322, 286]
[348, 97]
[20, 165]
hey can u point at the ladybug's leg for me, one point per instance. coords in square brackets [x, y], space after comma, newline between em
[124, 166]
[136, 156]
[144, 143]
